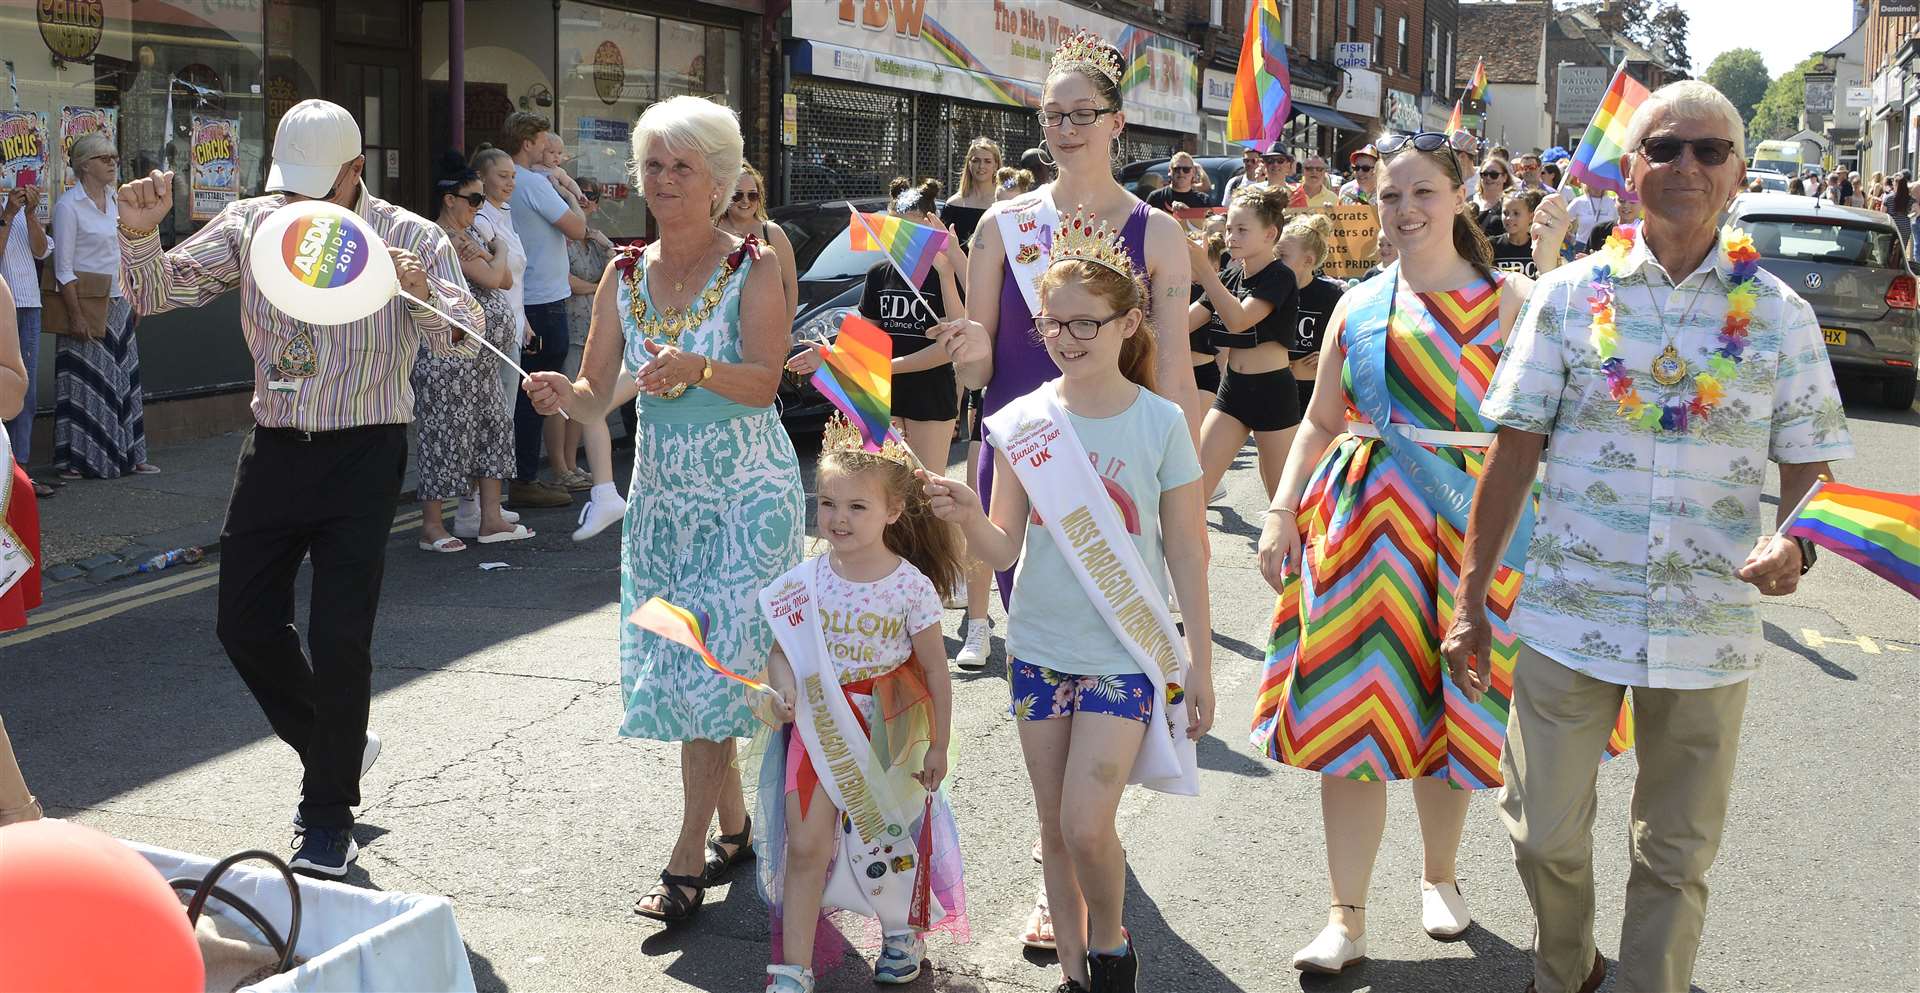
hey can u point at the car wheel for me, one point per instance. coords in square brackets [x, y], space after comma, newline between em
[1899, 392]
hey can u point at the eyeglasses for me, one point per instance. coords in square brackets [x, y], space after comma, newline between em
[1424, 141]
[1708, 151]
[1082, 117]
[750, 196]
[1082, 329]
[473, 200]
[1492, 174]
[105, 158]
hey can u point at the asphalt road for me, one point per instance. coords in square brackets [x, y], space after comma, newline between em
[504, 787]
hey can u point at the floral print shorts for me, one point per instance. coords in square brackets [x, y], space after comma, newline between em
[1041, 694]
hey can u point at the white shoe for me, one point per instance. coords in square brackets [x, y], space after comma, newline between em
[1443, 911]
[1331, 952]
[978, 643]
[790, 979]
[1219, 495]
[369, 753]
[598, 515]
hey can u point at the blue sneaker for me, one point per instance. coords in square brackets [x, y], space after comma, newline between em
[325, 852]
[368, 754]
[900, 957]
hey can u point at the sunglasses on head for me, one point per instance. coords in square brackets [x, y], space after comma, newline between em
[1707, 151]
[750, 196]
[1425, 141]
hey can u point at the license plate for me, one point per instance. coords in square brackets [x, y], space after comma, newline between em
[1834, 336]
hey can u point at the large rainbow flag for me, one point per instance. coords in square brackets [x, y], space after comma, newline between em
[911, 246]
[1262, 85]
[1477, 86]
[686, 627]
[1881, 531]
[857, 377]
[1596, 163]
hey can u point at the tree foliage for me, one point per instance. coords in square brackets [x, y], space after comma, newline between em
[1661, 26]
[1778, 115]
[1741, 75]
[1668, 30]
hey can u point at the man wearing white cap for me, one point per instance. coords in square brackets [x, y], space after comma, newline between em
[320, 472]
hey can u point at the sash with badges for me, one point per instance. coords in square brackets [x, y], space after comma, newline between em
[1072, 502]
[15, 560]
[881, 863]
[1026, 232]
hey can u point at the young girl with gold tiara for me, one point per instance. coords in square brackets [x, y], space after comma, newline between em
[1101, 677]
[850, 804]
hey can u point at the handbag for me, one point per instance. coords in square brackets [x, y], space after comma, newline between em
[94, 290]
[232, 960]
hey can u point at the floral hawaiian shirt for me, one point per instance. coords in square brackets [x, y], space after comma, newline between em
[1630, 577]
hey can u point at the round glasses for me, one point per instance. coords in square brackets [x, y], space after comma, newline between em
[1082, 329]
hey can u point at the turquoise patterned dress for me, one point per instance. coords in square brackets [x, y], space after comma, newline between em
[716, 511]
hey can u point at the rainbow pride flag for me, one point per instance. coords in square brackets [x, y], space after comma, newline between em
[1596, 163]
[1262, 84]
[857, 377]
[1477, 86]
[1881, 531]
[1453, 119]
[911, 246]
[686, 627]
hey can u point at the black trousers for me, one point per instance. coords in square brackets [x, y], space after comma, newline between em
[330, 495]
[549, 354]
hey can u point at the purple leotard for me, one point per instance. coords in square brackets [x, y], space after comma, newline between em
[1020, 361]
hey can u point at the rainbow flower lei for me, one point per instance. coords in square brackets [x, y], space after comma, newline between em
[1675, 413]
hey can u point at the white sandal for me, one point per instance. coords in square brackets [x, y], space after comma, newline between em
[520, 532]
[444, 545]
[1039, 930]
[790, 979]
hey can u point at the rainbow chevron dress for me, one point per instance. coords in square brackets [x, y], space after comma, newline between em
[1354, 684]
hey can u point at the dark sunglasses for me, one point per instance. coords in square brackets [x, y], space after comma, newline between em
[1492, 174]
[750, 196]
[1707, 151]
[1425, 141]
[1275, 159]
[1363, 168]
[1183, 168]
[1314, 168]
[593, 195]
[1083, 329]
[473, 200]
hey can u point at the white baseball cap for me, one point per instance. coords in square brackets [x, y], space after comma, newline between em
[314, 140]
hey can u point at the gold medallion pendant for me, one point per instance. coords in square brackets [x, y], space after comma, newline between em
[1669, 369]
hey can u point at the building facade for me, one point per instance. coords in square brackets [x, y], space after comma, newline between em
[1511, 40]
[1890, 62]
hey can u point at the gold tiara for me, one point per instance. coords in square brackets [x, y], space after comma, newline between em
[1086, 50]
[842, 436]
[1080, 239]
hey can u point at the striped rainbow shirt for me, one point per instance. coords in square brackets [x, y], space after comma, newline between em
[363, 367]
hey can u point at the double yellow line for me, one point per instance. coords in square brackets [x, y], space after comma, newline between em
[192, 579]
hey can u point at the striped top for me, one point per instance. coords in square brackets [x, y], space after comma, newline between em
[360, 369]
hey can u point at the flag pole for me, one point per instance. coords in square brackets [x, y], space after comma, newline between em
[917, 295]
[1806, 498]
[478, 338]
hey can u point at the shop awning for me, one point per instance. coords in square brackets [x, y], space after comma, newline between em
[1328, 116]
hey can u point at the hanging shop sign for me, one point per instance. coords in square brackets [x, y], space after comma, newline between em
[71, 28]
[609, 72]
[1578, 94]
[991, 52]
[1361, 94]
[1216, 91]
[1403, 110]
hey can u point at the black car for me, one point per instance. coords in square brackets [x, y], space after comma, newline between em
[1220, 168]
[832, 275]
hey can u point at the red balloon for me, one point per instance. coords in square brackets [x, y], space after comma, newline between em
[83, 912]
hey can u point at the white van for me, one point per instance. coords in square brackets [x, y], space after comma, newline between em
[1784, 157]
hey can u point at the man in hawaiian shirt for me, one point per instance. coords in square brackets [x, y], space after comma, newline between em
[1647, 561]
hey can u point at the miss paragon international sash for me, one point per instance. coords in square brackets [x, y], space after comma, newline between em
[1073, 504]
[1026, 233]
[1448, 489]
[15, 560]
[877, 866]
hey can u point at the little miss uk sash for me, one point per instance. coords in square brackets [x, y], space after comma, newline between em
[1073, 504]
[15, 560]
[878, 870]
[1026, 233]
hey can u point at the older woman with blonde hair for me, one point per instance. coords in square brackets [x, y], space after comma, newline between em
[716, 506]
[99, 429]
[746, 214]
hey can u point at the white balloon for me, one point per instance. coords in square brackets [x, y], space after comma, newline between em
[321, 263]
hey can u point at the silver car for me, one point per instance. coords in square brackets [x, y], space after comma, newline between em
[1850, 265]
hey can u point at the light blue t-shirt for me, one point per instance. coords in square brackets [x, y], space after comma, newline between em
[1141, 452]
[536, 205]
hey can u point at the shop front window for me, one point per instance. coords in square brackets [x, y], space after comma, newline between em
[178, 85]
[509, 67]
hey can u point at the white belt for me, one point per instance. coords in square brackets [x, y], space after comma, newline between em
[1428, 436]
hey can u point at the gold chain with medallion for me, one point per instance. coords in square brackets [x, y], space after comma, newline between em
[669, 324]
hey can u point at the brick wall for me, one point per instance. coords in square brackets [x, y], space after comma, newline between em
[1885, 35]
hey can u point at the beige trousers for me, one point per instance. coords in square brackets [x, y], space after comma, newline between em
[16, 804]
[1685, 741]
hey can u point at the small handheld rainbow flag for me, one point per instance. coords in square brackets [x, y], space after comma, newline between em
[1880, 531]
[1453, 120]
[1596, 163]
[687, 627]
[1262, 83]
[911, 246]
[1477, 86]
[858, 378]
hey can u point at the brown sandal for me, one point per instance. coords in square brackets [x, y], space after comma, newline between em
[675, 906]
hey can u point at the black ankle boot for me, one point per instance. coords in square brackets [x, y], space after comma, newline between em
[1113, 973]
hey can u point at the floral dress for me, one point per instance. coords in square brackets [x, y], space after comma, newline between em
[460, 407]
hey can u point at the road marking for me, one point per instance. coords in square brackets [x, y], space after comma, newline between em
[1815, 639]
[39, 630]
[103, 599]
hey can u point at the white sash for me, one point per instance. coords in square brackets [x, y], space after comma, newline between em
[1062, 487]
[874, 867]
[15, 560]
[1026, 232]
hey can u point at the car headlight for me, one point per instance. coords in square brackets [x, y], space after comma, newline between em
[822, 327]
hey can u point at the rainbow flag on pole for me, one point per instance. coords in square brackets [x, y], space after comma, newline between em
[857, 377]
[1453, 119]
[1596, 163]
[911, 246]
[1262, 84]
[686, 627]
[1880, 531]
[1477, 86]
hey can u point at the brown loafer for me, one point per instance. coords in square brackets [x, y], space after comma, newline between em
[1594, 978]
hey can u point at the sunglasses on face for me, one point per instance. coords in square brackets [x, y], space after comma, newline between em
[1082, 329]
[1183, 169]
[1275, 159]
[1315, 168]
[1363, 168]
[1492, 174]
[750, 196]
[1081, 118]
[593, 196]
[473, 200]
[1707, 151]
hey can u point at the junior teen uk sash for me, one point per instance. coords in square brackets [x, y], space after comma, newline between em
[1064, 490]
[1448, 489]
[877, 865]
[15, 561]
[1026, 233]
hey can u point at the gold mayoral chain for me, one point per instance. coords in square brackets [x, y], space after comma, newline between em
[671, 324]
[1085, 50]
[841, 436]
